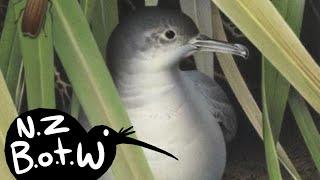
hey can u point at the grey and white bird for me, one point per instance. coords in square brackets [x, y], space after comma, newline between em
[179, 111]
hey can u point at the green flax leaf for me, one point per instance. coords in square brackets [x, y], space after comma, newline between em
[37, 54]
[267, 30]
[7, 38]
[306, 125]
[243, 94]
[277, 87]
[104, 21]
[7, 114]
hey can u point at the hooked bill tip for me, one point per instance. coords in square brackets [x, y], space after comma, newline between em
[244, 52]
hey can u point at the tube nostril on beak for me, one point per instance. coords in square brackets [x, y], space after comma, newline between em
[204, 43]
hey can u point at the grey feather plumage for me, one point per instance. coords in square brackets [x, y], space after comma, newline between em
[215, 100]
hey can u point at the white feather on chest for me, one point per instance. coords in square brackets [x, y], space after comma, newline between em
[176, 118]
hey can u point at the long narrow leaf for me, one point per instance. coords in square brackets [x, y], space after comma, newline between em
[20, 88]
[306, 125]
[242, 92]
[75, 106]
[298, 106]
[38, 61]
[88, 7]
[104, 21]
[269, 143]
[265, 27]
[88, 74]
[7, 114]
[277, 90]
[270, 150]
[277, 87]
[15, 62]
[7, 38]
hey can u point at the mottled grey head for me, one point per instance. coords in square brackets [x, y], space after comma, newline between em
[154, 39]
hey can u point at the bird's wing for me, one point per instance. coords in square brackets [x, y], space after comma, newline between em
[216, 101]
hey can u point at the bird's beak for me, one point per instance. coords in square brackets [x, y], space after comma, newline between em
[128, 140]
[204, 43]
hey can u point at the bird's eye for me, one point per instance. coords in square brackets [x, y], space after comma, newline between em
[170, 34]
[106, 132]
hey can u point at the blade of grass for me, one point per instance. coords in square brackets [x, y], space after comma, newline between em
[277, 87]
[88, 74]
[75, 106]
[298, 106]
[242, 92]
[7, 113]
[277, 90]
[269, 143]
[200, 12]
[306, 125]
[104, 21]
[38, 62]
[88, 7]
[7, 38]
[264, 26]
[15, 61]
[20, 89]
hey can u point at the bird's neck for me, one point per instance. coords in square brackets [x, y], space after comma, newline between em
[146, 83]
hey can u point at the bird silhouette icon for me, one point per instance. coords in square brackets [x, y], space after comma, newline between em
[50, 144]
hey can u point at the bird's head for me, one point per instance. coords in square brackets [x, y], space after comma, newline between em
[153, 39]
